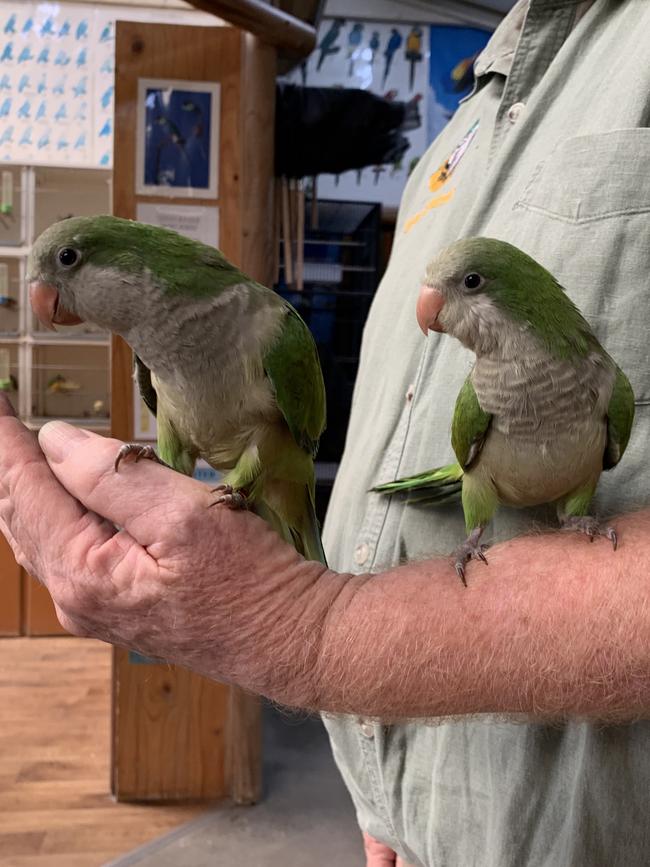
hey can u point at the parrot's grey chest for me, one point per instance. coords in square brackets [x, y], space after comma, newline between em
[548, 428]
[533, 395]
[209, 376]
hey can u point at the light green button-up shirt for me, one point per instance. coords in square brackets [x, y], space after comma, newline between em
[552, 153]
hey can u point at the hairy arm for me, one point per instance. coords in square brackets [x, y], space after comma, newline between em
[553, 626]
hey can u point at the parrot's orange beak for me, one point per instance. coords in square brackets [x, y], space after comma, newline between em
[47, 306]
[430, 303]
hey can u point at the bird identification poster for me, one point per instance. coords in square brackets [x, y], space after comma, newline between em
[390, 60]
[57, 65]
[57, 78]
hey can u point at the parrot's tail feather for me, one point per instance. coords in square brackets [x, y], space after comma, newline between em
[305, 538]
[308, 540]
[437, 486]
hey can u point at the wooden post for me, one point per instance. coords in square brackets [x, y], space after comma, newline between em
[177, 735]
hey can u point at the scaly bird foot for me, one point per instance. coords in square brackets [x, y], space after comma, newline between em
[469, 550]
[591, 528]
[230, 497]
[139, 452]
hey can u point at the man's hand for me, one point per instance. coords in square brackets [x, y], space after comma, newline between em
[380, 855]
[138, 558]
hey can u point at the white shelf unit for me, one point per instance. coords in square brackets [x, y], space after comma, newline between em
[63, 374]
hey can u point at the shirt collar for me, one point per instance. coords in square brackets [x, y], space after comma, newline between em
[498, 54]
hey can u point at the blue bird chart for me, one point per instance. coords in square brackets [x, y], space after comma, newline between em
[57, 65]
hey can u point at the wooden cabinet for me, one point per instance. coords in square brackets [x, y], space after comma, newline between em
[10, 591]
[45, 374]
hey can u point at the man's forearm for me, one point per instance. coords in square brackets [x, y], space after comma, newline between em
[553, 627]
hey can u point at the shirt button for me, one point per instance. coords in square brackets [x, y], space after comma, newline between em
[410, 392]
[367, 729]
[361, 553]
[514, 111]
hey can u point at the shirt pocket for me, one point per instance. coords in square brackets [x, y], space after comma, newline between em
[585, 215]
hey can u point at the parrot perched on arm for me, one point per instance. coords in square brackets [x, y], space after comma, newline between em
[228, 367]
[544, 409]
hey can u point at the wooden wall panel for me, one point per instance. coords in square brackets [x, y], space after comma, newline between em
[39, 616]
[171, 737]
[10, 591]
[177, 735]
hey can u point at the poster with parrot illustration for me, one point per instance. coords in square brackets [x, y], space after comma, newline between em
[429, 66]
[452, 52]
[177, 139]
[387, 59]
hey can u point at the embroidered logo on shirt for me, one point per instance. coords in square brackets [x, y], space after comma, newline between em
[440, 177]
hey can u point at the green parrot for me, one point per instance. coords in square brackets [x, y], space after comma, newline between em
[544, 409]
[227, 366]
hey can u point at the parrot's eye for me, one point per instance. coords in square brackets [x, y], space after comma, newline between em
[473, 281]
[68, 257]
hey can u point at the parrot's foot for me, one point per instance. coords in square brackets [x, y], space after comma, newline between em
[469, 550]
[591, 528]
[230, 497]
[139, 452]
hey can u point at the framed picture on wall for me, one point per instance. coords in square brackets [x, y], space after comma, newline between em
[177, 141]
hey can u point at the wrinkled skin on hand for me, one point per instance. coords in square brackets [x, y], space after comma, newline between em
[137, 558]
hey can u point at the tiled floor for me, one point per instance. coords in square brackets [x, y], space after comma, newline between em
[304, 820]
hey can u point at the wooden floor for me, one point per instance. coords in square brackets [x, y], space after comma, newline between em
[55, 805]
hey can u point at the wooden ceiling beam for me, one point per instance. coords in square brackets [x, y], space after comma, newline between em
[289, 34]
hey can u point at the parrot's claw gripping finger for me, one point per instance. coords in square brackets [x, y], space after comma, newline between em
[230, 497]
[613, 538]
[140, 452]
[590, 527]
[469, 550]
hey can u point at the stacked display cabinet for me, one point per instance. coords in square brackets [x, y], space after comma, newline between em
[46, 375]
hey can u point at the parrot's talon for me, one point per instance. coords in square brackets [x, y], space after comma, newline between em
[139, 452]
[230, 497]
[590, 527]
[469, 550]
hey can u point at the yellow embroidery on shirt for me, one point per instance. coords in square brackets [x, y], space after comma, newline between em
[432, 203]
[440, 177]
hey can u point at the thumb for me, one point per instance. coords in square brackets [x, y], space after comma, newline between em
[84, 463]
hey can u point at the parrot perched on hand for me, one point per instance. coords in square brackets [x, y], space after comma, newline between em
[543, 411]
[228, 367]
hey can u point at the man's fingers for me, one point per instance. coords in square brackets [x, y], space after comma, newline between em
[34, 507]
[377, 854]
[143, 498]
[52, 534]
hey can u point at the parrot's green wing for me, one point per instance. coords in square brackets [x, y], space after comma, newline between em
[171, 449]
[620, 415]
[145, 386]
[469, 426]
[292, 365]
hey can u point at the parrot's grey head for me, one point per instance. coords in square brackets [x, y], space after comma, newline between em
[484, 292]
[89, 269]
